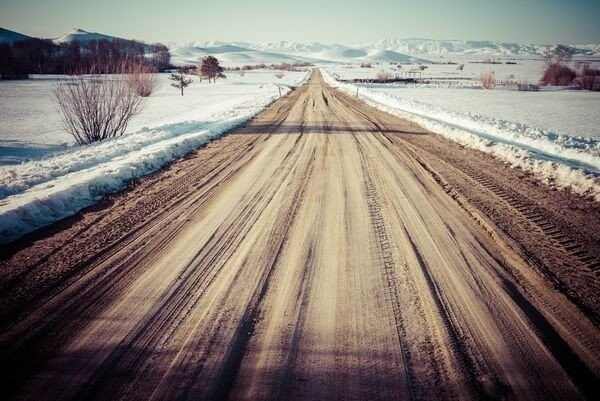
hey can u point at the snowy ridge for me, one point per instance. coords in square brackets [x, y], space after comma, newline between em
[425, 47]
[561, 160]
[38, 193]
[11, 37]
[473, 47]
[229, 55]
[81, 36]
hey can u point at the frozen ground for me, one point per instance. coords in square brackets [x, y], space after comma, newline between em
[570, 112]
[561, 112]
[558, 158]
[524, 70]
[31, 126]
[62, 178]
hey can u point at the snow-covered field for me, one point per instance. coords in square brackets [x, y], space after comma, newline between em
[54, 178]
[571, 112]
[559, 157]
[32, 128]
[448, 75]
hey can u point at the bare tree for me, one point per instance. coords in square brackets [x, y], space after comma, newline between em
[488, 80]
[211, 69]
[180, 80]
[558, 74]
[95, 107]
[140, 77]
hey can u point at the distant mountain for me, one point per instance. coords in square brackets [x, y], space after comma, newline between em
[411, 50]
[81, 36]
[10, 37]
[285, 46]
[240, 53]
[390, 56]
[418, 48]
[432, 47]
[22, 55]
[230, 55]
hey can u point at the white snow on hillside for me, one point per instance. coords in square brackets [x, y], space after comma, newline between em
[408, 47]
[239, 54]
[426, 47]
[229, 55]
[38, 192]
[81, 36]
[559, 159]
[471, 47]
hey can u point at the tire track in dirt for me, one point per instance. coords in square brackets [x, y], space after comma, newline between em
[330, 251]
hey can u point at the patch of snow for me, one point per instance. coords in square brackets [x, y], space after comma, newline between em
[39, 192]
[80, 36]
[560, 160]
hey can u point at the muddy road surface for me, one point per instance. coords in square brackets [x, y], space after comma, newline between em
[325, 251]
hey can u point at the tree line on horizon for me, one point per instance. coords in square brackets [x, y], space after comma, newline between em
[41, 56]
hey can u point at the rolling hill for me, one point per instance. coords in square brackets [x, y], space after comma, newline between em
[9, 37]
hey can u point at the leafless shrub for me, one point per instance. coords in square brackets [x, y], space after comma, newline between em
[525, 86]
[366, 65]
[140, 77]
[460, 67]
[383, 75]
[95, 107]
[589, 79]
[279, 75]
[242, 73]
[488, 80]
[558, 74]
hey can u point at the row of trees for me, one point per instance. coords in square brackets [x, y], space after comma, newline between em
[38, 56]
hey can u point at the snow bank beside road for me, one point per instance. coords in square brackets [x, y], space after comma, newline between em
[560, 160]
[38, 193]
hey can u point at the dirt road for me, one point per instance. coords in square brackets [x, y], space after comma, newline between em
[318, 253]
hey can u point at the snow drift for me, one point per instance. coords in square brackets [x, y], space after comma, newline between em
[40, 192]
[561, 160]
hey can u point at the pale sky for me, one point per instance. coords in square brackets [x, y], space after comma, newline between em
[329, 21]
